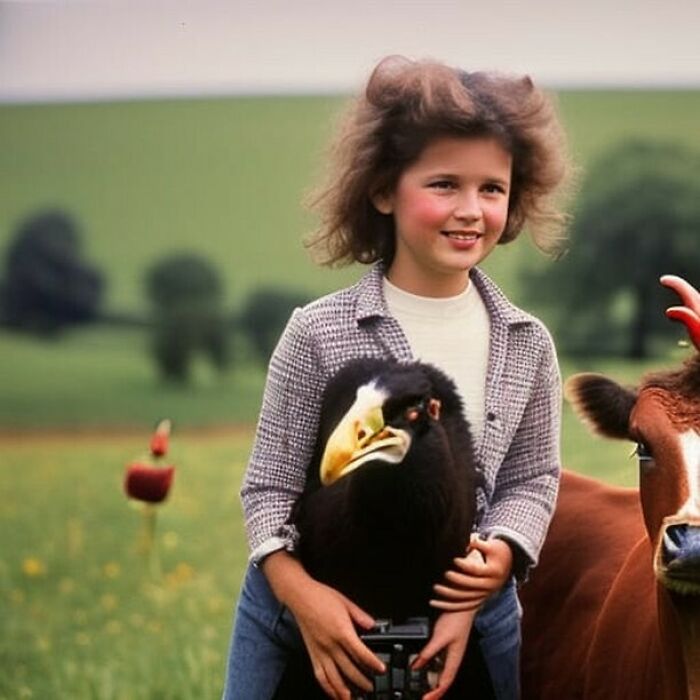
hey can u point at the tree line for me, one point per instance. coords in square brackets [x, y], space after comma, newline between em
[49, 287]
[637, 216]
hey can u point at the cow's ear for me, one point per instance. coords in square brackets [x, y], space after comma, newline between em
[601, 403]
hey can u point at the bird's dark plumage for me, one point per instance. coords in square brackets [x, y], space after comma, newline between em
[384, 532]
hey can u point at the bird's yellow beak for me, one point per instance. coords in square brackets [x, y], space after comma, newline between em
[361, 436]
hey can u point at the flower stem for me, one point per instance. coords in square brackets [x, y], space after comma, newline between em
[148, 541]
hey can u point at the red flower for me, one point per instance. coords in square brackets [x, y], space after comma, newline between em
[145, 482]
[159, 440]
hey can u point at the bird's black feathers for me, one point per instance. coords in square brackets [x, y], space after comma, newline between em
[385, 533]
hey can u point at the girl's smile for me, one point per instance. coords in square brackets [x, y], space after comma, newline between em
[450, 208]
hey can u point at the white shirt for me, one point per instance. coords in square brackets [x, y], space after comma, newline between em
[451, 333]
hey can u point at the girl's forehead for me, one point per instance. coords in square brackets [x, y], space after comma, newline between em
[457, 152]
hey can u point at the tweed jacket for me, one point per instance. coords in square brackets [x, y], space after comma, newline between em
[518, 453]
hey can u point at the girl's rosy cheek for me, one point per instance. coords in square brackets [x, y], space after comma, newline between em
[427, 210]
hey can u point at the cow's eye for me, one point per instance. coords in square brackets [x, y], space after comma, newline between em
[644, 455]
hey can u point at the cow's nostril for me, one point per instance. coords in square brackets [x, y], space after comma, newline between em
[672, 541]
[681, 547]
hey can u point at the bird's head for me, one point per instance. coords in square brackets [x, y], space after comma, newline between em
[392, 404]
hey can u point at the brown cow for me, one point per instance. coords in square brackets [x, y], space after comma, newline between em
[613, 609]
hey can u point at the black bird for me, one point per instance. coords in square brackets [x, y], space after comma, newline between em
[390, 491]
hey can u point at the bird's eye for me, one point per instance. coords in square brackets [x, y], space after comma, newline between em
[412, 414]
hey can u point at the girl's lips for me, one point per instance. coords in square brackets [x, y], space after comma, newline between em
[461, 235]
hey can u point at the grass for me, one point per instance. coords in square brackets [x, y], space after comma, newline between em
[82, 616]
[100, 377]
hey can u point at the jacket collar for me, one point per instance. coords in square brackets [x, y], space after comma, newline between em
[372, 304]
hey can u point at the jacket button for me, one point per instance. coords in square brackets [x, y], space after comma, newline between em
[490, 416]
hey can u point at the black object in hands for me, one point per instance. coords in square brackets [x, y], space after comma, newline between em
[398, 646]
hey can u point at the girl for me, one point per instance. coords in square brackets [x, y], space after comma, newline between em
[434, 167]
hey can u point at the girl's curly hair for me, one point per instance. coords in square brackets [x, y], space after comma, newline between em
[406, 104]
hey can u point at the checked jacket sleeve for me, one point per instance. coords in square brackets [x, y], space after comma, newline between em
[527, 482]
[284, 440]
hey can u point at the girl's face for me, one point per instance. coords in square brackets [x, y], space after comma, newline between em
[450, 208]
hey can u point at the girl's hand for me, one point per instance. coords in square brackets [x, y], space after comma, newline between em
[325, 618]
[451, 633]
[477, 576]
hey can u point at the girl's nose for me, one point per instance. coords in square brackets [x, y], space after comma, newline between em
[468, 208]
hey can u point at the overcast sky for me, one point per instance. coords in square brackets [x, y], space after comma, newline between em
[84, 49]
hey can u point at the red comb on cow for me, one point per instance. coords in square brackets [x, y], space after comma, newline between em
[689, 314]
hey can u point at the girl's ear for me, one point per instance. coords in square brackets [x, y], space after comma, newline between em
[383, 203]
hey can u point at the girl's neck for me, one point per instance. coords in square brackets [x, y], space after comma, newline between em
[434, 286]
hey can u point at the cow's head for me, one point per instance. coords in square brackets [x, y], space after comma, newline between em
[662, 416]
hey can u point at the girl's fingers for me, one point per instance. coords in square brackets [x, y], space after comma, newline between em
[323, 681]
[456, 607]
[447, 675]
[339, 690]
[457, 593]
[352, 673]
[363, 656]
[468, 582]
[470, 568]
[358, 615]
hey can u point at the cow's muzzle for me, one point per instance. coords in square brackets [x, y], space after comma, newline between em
[677, 562]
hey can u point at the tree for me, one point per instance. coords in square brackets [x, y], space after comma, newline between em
[48, 286]
[638, 217]
[186, 293]
[264, 316]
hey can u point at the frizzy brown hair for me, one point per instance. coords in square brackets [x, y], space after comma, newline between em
[405, 105]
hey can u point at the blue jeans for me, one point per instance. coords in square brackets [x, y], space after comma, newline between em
[265, 634]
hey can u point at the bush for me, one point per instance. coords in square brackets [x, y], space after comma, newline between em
[186, 294]
[48, 286]
[637, 218]
[264, 316]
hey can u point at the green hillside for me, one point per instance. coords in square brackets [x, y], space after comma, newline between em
[225, 177]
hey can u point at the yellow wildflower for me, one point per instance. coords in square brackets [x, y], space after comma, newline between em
[113, 627]
[182, 573]
[111, 569]
[109, 601]
[33, 567]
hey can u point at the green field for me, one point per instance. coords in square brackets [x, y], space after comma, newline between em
[83, 617]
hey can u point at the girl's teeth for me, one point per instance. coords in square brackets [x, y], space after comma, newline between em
[462, 236]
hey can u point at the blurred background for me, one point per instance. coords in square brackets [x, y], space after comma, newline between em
[153, 161]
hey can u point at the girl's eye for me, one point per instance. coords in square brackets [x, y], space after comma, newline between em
[442, 185]
[493, 188]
